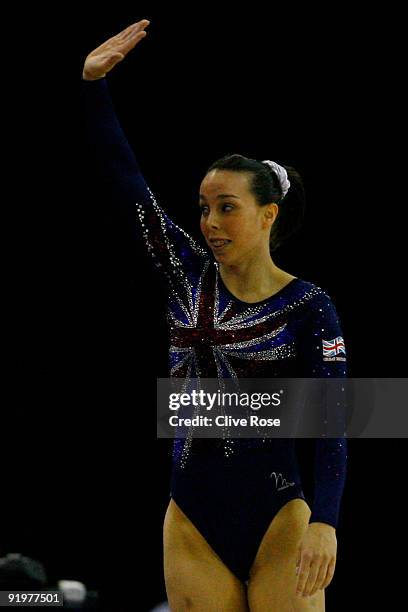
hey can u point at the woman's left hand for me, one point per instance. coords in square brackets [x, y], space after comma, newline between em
[316, 559]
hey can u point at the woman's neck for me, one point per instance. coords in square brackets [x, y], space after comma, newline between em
[254, 280]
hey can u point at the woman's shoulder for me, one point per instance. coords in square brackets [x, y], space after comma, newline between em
[308, 285]
[310, 295]
[315, 304]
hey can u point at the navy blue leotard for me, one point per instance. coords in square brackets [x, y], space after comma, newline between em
[230, 490]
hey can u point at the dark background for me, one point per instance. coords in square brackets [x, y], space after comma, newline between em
[87, 482]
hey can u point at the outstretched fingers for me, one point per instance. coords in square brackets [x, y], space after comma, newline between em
[125, 42]
[132, 29]
[126, 46]
[121, 39]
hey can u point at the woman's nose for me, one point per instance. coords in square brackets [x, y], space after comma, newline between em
[212, 220]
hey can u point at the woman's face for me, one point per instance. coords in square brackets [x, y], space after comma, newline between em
[230, 213]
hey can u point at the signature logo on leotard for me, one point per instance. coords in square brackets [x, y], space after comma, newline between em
[281, 482]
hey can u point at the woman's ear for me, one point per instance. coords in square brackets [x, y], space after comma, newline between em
[271, 211]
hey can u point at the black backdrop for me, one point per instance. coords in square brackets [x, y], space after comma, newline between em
[88, 481]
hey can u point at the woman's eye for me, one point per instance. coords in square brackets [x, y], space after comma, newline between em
[204, 209]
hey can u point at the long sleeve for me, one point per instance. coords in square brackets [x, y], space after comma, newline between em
[323, 354]
[176, 255]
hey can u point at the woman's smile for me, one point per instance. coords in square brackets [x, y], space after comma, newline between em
[218, 244]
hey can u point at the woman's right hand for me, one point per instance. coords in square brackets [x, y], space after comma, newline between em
[102, 59]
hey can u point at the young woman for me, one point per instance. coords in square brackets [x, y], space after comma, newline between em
[238, 532]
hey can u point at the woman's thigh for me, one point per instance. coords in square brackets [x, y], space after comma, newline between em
[195, 577]
[273, 580]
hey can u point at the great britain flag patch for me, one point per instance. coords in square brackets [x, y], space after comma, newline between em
[333, 349]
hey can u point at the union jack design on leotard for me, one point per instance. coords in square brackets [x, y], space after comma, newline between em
[331, 348]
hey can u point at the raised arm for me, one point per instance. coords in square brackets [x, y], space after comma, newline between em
[178, 256]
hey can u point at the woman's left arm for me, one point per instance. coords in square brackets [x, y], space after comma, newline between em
[323, 355]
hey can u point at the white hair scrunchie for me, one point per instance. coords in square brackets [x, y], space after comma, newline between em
[282, 175]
